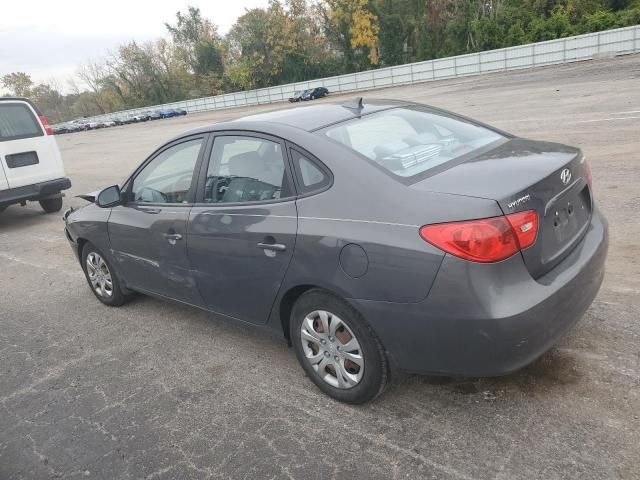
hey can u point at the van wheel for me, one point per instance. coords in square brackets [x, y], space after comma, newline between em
[337, 349]
[51, 205]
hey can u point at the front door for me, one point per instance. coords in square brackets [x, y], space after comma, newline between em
[148, 233]
[242, 231]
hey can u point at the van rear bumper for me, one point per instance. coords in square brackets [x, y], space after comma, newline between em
[33, 192]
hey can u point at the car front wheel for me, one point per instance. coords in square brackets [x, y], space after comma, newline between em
[101, 277]
[337, 349]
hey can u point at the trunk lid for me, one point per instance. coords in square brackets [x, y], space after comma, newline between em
[527, 175]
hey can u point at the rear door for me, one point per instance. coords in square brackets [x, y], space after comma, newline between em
[242, 231]
[148, 234]
[27, 153]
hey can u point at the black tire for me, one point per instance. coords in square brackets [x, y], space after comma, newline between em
[51, 205]
[117, 297]
[376, 369]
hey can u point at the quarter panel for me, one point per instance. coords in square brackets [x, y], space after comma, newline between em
[400, 266]
[366, 207]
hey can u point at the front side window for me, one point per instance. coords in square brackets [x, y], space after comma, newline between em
[168, 177]
[408, 142]
[17, 121]
[245, 169]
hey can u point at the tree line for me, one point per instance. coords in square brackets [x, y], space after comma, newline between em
[296, 40]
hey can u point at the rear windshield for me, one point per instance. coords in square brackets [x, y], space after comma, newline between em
[17, 121]
[408, 142]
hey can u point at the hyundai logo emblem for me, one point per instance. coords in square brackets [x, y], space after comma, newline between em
[565, 176]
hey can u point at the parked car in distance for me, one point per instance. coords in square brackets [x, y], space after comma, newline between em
[60, 129]
[108, 123]
[31, 167]
[140, 117]
[79, 124]
[167, 113]
[314, 93]
[374, 236]
[298, 96]
[179, 112]
[154, 115]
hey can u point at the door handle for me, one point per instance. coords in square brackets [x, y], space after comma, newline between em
[172, 238]
[278, 247]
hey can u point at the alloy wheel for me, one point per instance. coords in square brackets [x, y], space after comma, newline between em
[332, 349]
[99, 275]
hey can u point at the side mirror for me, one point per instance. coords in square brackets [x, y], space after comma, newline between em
[109, 197]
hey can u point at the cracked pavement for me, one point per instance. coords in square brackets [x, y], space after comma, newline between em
[160, 391]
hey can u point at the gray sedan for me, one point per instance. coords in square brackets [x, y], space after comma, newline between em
[376, 237]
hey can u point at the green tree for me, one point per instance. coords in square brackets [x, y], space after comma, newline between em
[261, 40]
[392, 39]
[18, 83]
[354, 28]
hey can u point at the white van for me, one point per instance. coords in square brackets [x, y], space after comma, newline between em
[31, 167]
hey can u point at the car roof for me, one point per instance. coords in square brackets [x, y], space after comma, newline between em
[314, 117]
[311, 117]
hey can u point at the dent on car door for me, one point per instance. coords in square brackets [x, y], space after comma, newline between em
[148, 233]
[242, 232]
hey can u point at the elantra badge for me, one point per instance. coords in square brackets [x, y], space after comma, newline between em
[565, 176]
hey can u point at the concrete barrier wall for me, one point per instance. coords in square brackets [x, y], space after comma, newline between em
[564, 50]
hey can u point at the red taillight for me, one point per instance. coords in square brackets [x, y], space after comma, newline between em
[525, 226]
[45, 124]
[485, 240]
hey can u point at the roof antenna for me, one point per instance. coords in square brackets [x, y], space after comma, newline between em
[354, 104]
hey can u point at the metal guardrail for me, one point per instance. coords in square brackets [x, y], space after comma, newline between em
[563, 50]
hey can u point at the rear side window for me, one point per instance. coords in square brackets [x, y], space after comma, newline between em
[409, 142]
[311, 176]
[17, 121]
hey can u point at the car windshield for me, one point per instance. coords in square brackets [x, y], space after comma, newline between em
[407, 141]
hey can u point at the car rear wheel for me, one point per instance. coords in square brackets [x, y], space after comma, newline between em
[337, 349]
[51, 205]
[101, 276]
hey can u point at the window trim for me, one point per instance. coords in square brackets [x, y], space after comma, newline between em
[204, 167]
[127, 186]
[34, 117]
[300, 187]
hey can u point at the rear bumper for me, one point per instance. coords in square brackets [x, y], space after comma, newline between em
[484, 320]
[33, 192]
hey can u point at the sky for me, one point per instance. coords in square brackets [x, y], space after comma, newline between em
[49, 39]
